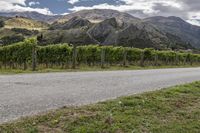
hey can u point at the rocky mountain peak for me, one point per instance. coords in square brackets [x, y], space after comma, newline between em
[110, 27]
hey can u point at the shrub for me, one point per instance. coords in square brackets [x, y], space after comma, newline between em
[7, 40]
[2, 23]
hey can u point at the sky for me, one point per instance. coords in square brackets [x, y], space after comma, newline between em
[188, 10]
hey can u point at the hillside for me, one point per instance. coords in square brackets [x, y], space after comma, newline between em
[98, 15]
[32, 15]
[176, 26]
[75, 22]
[154, 35]
[109, 27]
[16, 29]
[107, 32]
[21, 22]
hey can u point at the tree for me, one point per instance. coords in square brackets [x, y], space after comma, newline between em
[40, 37]
[12, 39]
[2, 23]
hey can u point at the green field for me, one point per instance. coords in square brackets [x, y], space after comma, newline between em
[85, 68]
[171, 110]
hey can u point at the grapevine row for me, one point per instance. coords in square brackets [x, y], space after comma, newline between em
[20, 55]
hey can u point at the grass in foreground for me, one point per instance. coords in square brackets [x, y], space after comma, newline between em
[87, 68]
[172, 110]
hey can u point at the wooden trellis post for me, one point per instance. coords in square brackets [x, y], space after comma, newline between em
[74, 56]
[34, 58]
[103, 54]
[125, 58]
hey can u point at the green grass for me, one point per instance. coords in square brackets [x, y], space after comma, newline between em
[87, 68]
[171, 110]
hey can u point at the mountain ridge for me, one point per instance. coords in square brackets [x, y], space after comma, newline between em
[158, 29]
[32, 15]
[187, 32]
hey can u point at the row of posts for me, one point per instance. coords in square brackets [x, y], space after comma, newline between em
[74, 57]
[103, 56]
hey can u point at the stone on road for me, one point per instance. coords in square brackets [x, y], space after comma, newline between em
[28, 94]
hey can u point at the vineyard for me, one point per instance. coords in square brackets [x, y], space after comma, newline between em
[27, 55]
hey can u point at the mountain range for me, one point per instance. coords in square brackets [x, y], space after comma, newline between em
[110, 27]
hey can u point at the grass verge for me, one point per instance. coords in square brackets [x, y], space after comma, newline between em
[171, 110]
[87, 68]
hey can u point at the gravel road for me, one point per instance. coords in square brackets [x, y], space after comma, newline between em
[28, 94]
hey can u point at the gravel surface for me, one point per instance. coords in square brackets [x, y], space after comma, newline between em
[28, 94]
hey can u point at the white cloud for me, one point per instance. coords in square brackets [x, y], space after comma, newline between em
[20, 6]
[65, 13]
[21, 2]
[194, 18]
[194, 22]
[73, 1]
[32, 3]
[119, 7]
[147, 7]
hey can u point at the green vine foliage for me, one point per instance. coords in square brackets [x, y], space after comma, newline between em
[54, 54]
[17, 53]
[89, 55]
[61, 55]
